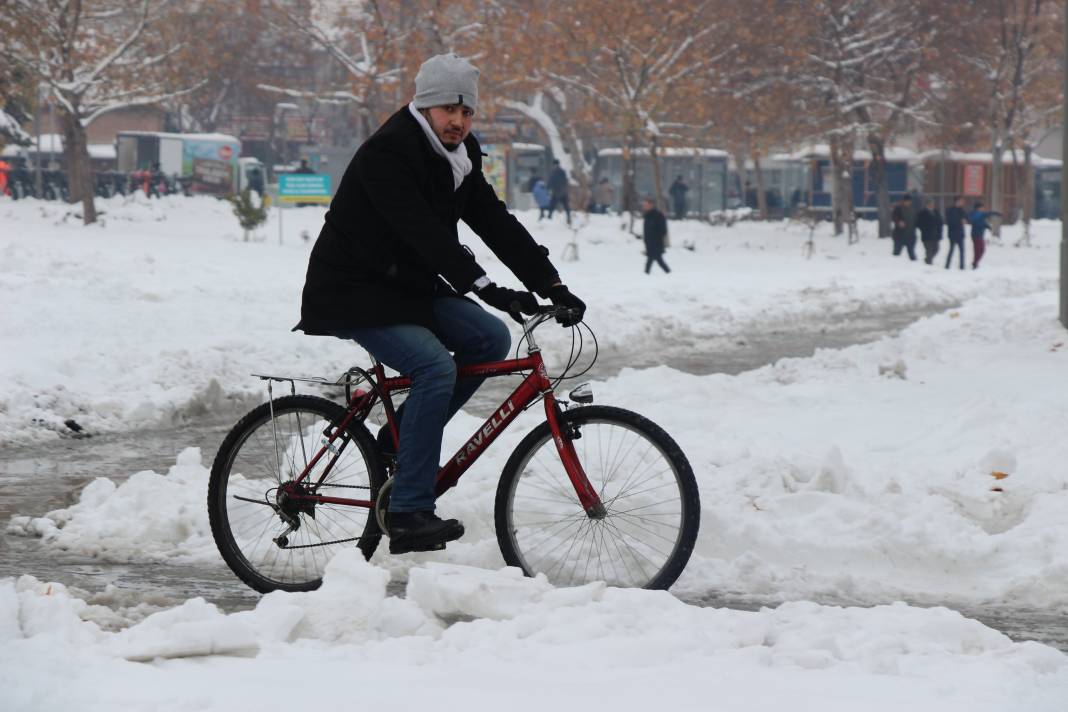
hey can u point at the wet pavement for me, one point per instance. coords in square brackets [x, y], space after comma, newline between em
[45, 477]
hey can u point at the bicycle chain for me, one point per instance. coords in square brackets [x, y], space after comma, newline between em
[324, 543]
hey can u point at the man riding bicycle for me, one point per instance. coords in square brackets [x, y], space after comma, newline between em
[388, 271]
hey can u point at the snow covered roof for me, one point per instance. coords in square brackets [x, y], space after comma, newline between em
[669, 152]
[982, 157]
[192, 136]
[53, 143]
[527, 147]
[822, 150]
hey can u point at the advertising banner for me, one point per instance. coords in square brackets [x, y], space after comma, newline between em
[212, 163]
[495, 168]
[973, 179]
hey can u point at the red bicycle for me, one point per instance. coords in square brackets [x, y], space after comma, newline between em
[592, 493]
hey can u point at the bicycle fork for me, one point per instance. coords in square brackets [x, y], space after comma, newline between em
[565, 446]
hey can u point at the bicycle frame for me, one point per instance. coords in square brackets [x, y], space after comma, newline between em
[535, 385]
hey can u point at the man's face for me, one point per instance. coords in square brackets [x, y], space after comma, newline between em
[647, 205]
[450, 123]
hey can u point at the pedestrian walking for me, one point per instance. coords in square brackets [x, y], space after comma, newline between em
[956, 217]
[541, 197]
[904, 220]
[654, 232]
[678, 192]
[929, 222]
[979, 219]
[558, 191]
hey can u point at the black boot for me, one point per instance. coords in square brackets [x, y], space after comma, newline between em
[421, 531]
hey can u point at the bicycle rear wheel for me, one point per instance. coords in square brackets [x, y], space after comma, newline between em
[255, 470]
[644, 481]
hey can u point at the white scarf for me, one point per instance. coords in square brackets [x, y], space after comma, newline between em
[458, 160]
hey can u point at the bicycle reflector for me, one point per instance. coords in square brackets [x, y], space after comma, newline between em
[581, 394]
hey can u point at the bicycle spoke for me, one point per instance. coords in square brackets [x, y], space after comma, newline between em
[267, 461]
[641, 491]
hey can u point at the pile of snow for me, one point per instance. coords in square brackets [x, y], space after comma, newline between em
[161, 309]
[528, 643]
[927, 467]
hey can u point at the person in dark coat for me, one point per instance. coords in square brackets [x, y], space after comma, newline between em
[979, 219]
[654, 232]
[929, 223]
[559, 191]
[389, 272]
[955, 219]
[678, 192]
[903, 219]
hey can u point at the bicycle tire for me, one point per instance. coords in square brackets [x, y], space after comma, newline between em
[249, 446]
[520, 531]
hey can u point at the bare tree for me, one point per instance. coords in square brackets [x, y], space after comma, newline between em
[91, 55]
[377, 46]
[862, 65]
[1012, 62]
[639, 64]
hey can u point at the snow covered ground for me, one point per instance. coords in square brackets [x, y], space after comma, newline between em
[162, 309]
[515, 643]
[927, 467]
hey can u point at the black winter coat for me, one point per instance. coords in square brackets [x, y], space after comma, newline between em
[390, 236]
[955, 219]
[654, 228]
[558, 181]
[930, 224]
[904, 222]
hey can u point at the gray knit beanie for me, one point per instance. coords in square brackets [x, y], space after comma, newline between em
[446, 79]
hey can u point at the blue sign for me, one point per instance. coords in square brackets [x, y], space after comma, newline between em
[304, 188]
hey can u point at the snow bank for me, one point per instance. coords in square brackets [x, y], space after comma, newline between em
[146, 517]
[927, 467]
[161, 311]
[541, 646]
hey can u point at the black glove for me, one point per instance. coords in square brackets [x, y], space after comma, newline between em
[561, 297]
[508, 300]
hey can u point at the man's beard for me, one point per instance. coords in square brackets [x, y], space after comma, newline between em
[450, 146]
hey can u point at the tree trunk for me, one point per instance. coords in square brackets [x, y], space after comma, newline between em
[762, 193]
[742, 172]
[79, 179]
[630, 202]
[882, 188]
[658, 183]
[580, 170]
[1028, 201]
[836, 186]
[995, 183]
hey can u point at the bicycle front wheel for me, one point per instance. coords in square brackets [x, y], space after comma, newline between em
[269, 539]
[647, 487]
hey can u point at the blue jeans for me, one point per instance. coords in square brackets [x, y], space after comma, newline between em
[473, 336]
